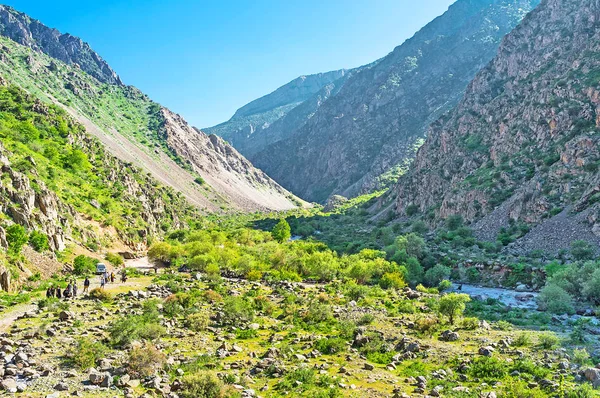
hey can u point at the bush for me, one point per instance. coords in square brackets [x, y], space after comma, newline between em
[84, 265]
[39, 241]
[470, 323]
[237, 311]
[392, 280]
[488, 368]
[201, 385]
[445, 285]
[331, 345]
[197, 322]
[16, 238]
[435, 275]
[522, 340]
[556, 300]
[581, 357]
[100, 294]
[145, 361]
[427, 325]
[136, 327]
[114, 259]
[87, 353]
[582, 250]
[548, 341]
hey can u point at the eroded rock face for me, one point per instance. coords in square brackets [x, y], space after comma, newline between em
[382, 111]
[223, 168]
[523, 143]
[64, 47]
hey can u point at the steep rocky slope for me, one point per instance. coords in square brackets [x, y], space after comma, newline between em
[523, 144]
[64, 47]
[130, 125]
[374, 123]
[246, 130]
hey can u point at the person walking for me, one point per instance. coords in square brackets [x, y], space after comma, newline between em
[112, 277]
[123, 277]
[86, 285]
[58, 292]
[50, 292]
[74, 289]
[102, 282]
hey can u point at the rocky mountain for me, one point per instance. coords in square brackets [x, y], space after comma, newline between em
[64, 47]
[250, 129]
[211, 174]
[522, 146]
[381, 113]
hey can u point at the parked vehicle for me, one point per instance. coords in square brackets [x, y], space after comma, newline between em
[100, 268]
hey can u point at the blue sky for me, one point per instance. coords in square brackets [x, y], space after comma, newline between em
[205, 59]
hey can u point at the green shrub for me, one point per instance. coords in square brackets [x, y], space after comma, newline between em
[197, 321]
[16, 236]
[522, 340]
[556, 300]
[548, 341]
[136, 327]
[114, 259]
[581, 357]
[435, 275]
[39, 241]
[202, 385]
[237, 311]
[84, 265]
[330, 346]
[100, 294]
[488, 368]
[145, 361]
[87, 353]
[282, 231]
[392, 280]
[470, 323]
[582, 250]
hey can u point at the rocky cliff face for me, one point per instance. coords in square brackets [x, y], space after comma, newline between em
[247, 129]
[523, 144]
[64, 47]
[223, 168]
[381, 112]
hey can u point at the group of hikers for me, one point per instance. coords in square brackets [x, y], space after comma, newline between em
[71, 290]
[110, 278]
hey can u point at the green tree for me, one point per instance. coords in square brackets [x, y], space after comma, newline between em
[453, 305]
[556, 300]
[413, 244]
[282, 231]
[434, 276]
[16, 236]
[582, 250]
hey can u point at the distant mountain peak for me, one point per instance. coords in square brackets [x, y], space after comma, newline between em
[67, 48]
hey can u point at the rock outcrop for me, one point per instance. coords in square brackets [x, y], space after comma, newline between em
[223, 168]
[380, 114]
[64, 47]
[523, 144]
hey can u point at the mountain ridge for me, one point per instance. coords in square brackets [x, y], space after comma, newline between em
[374, 122]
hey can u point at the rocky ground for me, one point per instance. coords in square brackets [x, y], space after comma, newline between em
[265, 354]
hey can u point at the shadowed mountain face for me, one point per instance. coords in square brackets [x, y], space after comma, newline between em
[249, 130]
[523, 144]
[382, 111]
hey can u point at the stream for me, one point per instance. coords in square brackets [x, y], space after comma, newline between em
[512, 298]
